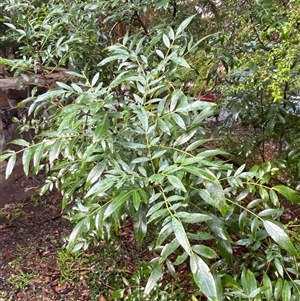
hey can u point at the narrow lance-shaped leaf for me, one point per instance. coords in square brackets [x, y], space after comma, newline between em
[192, 218]
[196, 144]
[140, 160]
[10, 165]
[166, 41]
[286, 291]
[180, 234]
[268, 284]
[185, 137]
[88, 152]
[278, 289]
[133, 145]
[176, 183]
[239, 170]
[48, 95]
[38, 154]
[174, 99]
[199, 172]
[117, 202]
[96, 172]
[165, 231]
[217, 226]
[100, 187]
[140, 225]
[278, 266]
[76, 88]
[279, 236]
[5, 155]
[184, 24]
[158, 154]
[20, 142]
[55, 150]
[288, 193]
[180, 61]
[27, 155]
[67, 122]
[95, 79]
[228, 281]
[203, 277]
[168, 249]
[136, 200]
[121, 78]
[216, 191]
[99, 220]
[77, 231]
[101, 129]
[143, 117]
[248, 281]
[204, 251]
[112, 58]
[178, 120]
[154, 277]
[64, 86]
[159, 214]
[194, 106]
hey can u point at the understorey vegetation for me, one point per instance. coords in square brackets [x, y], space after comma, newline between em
[125, 139]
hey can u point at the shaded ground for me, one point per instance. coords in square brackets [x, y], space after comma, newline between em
[30, 236]
[35, 266]
[20, 189]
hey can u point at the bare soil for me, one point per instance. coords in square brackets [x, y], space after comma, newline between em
[30, 235]
[33, 235]
[20, 189]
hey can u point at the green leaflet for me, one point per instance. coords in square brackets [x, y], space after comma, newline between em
[117, 201]
[140, 224]
[192, 218]
[280, 236]
[10, 164]
[181, 236]
[203, 277]
[100, 187]
[288, 193]
[26, 158]
[101, 129]
[153, 279]
[248, 281]
[176, 183]
[204, 251]
[217, 194]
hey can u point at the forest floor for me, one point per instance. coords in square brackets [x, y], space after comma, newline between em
[31, 234]
[35, 265]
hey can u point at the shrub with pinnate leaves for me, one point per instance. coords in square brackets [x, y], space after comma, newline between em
[125, 141]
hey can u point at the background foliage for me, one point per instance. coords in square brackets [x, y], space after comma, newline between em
[125, 138]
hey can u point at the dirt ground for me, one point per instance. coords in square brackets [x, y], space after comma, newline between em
[34, 265]
[32, 232]
[20, 189]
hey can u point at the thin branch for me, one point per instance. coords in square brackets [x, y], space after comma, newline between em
[256, 32]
